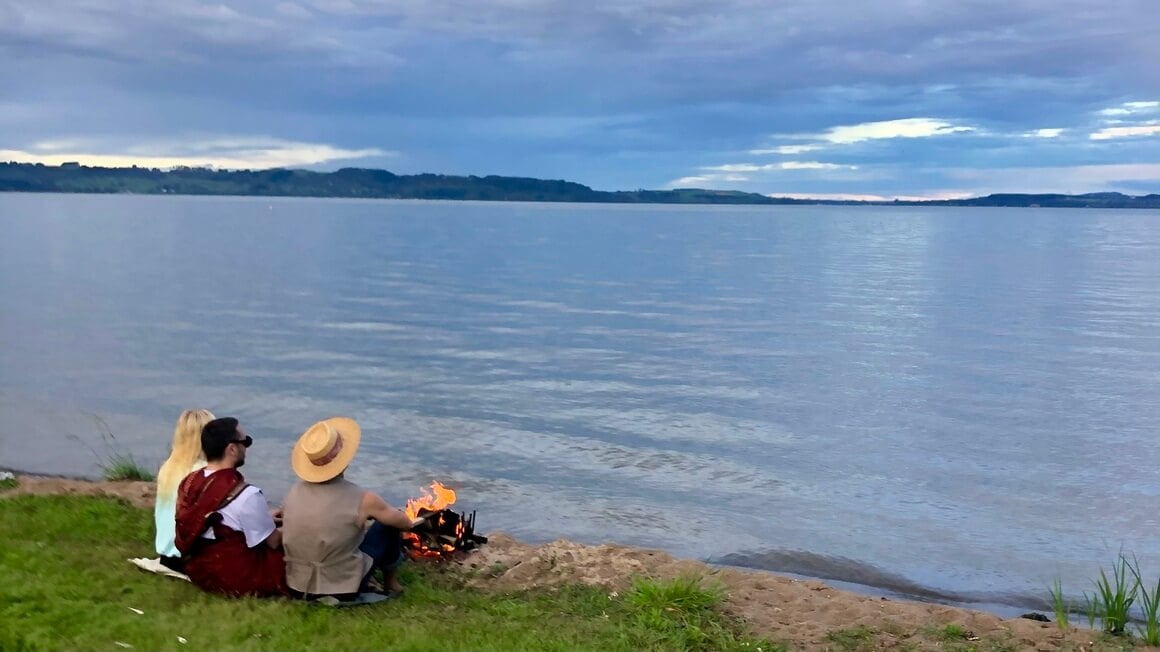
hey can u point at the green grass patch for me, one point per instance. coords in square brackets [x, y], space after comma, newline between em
[115, 465]
[853, 638]
[1150, 606]
[1114, 597]
[953, 632]
[682, 614]
[124, 467]
[1060, 605]
[8, 483]
[65, 584]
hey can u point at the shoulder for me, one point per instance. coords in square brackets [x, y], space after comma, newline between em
[370, 500]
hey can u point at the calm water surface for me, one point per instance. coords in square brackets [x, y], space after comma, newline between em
[959, 403]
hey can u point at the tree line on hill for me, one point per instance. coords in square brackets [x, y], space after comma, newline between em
[366, 183]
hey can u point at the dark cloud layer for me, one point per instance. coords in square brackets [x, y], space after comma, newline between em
[622, 93]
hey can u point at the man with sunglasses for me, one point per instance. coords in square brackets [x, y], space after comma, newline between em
[228, 537]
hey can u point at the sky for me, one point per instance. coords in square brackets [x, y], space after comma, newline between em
[809, 98]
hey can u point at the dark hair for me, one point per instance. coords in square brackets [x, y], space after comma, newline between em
[216, 435]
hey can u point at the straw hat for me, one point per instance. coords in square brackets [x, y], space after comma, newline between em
[326, 449]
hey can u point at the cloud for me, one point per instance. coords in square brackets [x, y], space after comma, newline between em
[1128, 118]
[688, 182]
[1045, 133]
[858, 133]
[886, 129]
[733, 173]
[1131, 108]
[1110, 133]
[222, 153]
[612, 93]
[786, 149]
[784, 165]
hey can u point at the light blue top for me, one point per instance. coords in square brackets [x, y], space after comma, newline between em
[164, 519]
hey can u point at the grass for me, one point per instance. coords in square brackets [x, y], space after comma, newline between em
[852, 638]
[65, 585]
[1061, 605]
[1150, 603]
[682, 614]
[8, 482]
[1114, 597]
[951, 637]
[116, 466]
[1111, 602]
[123, 467]
[953, 632]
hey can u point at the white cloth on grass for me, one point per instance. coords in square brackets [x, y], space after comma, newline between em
[155, 566]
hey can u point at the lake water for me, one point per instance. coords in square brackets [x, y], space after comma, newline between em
[958, 403]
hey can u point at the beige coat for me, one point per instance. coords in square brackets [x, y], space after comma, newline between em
[321, 533]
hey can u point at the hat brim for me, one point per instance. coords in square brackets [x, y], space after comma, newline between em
[311, 472]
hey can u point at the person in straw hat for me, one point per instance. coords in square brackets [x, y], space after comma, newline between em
[335, 533]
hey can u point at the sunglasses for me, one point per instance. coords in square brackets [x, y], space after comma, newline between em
[247, 442]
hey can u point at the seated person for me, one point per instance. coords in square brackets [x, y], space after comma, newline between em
[330, 547]
[185, 456]
[228, 537]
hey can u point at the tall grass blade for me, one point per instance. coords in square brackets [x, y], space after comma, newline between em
[1114, 597]
[1061, 605]
[1150, 602]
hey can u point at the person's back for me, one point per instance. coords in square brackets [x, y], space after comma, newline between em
[229, 541]
[337, 535]
[185, 456]
[321, 536]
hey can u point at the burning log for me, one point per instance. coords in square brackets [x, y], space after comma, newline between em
[444, 532]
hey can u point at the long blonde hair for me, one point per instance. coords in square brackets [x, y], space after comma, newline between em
[184, 453]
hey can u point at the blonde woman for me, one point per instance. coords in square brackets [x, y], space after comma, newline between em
[185, 456]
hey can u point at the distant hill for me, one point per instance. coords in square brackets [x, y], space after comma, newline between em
[1089, 200]
[347, 182]
[359, 182]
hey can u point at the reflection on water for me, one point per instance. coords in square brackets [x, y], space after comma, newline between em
[905, 389]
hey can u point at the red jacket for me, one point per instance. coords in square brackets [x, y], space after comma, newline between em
[224, 564]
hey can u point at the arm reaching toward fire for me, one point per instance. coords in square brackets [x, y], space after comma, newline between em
[373, 506]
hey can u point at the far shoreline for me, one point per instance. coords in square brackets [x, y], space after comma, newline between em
[363, 183]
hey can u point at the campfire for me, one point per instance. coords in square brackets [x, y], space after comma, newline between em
[446, 532]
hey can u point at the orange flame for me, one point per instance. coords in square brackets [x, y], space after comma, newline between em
[438, 498]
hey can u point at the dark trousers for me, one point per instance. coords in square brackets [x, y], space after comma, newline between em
[383, 544]
[175, 564]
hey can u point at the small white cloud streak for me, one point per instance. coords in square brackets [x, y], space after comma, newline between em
[1045, 133]
[885, 129]
[784, 165]
[232, 154]
[1130, 108]
[736, 172]
[786, 149]
[814, 165]
[1110, 133]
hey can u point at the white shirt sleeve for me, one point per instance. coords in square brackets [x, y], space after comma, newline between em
[248, 514]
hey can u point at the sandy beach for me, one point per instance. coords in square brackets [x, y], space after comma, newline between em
[805, 614]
